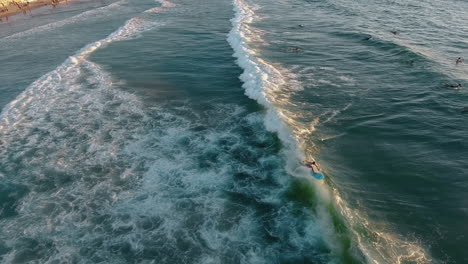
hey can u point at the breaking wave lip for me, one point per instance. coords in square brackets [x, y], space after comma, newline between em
[258, 76]
[261, 80]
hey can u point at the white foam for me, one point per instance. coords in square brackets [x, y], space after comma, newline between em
[62, 127]
[164, 6]
[48, 83]
[69, 132]
[260, 81]
[346, 78]
[163, 186]
[328, 82]
[264, 83]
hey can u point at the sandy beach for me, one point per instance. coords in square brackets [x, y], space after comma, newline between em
[11, 8]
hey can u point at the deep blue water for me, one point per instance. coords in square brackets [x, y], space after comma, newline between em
[172, 132]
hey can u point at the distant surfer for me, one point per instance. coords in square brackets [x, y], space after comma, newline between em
[458, 61]
[456, 87]
[368, 38]
[311, 164]
[394, 32]
[294, 49]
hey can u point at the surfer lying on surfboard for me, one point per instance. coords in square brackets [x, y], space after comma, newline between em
[311, 164]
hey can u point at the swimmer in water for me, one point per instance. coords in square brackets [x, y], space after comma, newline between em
[311, 164]
[459, 60]
[456, 87]
[294, 49]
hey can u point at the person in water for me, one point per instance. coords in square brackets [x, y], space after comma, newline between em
[458, 61]
[311, 164]
[456, 87]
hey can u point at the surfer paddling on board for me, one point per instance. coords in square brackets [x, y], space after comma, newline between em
[311, 164]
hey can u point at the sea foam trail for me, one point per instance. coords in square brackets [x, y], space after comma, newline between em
[267, 84]
[61, 158]
[260, 79]
[61, 85]
[132, 29]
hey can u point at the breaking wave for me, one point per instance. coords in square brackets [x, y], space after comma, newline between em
[350, 236]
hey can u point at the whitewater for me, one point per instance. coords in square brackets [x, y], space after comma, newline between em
[173, 132]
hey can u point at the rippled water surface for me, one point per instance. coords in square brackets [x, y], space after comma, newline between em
[172, 132]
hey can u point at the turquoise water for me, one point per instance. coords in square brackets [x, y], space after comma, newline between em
[172, 132]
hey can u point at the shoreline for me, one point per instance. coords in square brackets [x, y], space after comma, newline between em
[16, 7]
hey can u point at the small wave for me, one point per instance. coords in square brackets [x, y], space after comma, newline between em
[346, 78]
[328, 82]
[313, 76]
[329, 115]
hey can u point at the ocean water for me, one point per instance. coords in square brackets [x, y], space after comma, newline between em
[172, 131]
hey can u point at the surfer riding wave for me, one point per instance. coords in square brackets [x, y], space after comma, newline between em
[311, 164]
